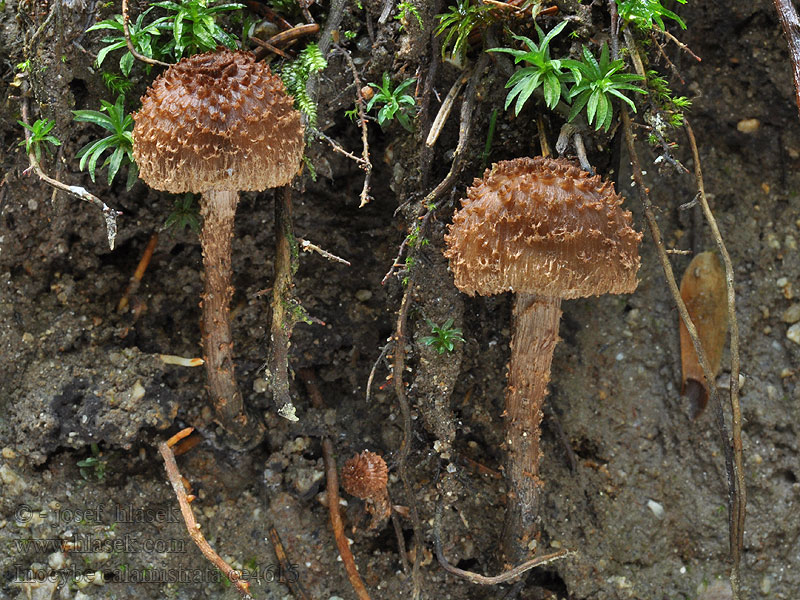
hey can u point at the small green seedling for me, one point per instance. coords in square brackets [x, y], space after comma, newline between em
[185, 213]
[646, 14]
[444, 338]
[458, 22]
[111, 117]
[141, 37]
[543, 71]
[595, 83]
[396, 103]
[93, 465]
[404, 10]
[193, 26]
[40, 138]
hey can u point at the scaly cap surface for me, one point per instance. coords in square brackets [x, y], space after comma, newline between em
[543, 226]
[217, 121]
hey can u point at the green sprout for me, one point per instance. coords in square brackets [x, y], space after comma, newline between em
[646, 14]
[444, 338]
[458, 22]
[295, 76]
[93, 465]
[595, 83]
[193, 26]
[141, 37]
[404, 9]
[184, 214]
[543, 71]
[40, 138]
[396, 103]
[117, 83]
[111, 117]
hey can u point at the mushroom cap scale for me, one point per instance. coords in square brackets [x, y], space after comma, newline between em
[543, 226]
[217, 121]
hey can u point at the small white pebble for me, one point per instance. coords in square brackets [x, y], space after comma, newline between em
[791, 314]
[620, 356]
[793, 333]
[658, 509]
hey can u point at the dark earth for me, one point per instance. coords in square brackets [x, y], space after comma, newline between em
[634, 486]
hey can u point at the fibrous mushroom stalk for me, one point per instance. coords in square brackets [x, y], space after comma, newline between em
[534, 338]
[219, 210]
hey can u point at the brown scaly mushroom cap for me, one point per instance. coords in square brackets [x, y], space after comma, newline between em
[543, 226]
[365, 475]
[217, 121]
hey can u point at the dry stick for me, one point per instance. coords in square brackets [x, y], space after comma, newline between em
[291, 579]
[444, 110]
[110, 215]
[284, 37]
[307, 246]
[127, 33]
[268, 46]
[791, 29]
[136, 279]
[738, 511]
[283, 319]
[193, 527]
[338, 148]
[362, 119]
[681, 45]
[479, 579]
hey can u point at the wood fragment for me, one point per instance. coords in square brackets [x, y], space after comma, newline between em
[136, 279]
[193, 527]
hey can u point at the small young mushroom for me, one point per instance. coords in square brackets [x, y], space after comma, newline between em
[366, 476]
[548, 231]
[217, 123]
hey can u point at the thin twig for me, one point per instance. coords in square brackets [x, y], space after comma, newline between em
[307, 246]
[126, 31]
[734, 490]
[362, 119]
[738, 512]
[292, 579]
[580, 150]
[136, 278]
[787, 14]
[371, 378]
[332, 487]
[479, 579]
[174, 476]
[268, 46]
[683, 46]
[444, 110]
[276, 372]
[338, 148]
[663, 54]
[109, 214]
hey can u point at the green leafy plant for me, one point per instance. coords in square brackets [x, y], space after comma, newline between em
[404, 10]
[444, 338]
[543, 70]
[141, 37]
[458, 23]
[193, 26]
[117, 83]
[185, 213]
[295, 76]
[396, 103]
[93, 465]
[40, 138]
[645, 14]
[664, 101]
[595, 83]
[111, 117]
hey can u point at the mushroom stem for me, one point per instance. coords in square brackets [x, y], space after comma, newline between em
[535, 335]
[219, 209]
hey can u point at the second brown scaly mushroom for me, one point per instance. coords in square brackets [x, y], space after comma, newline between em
[546, 230]
[216, 124]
